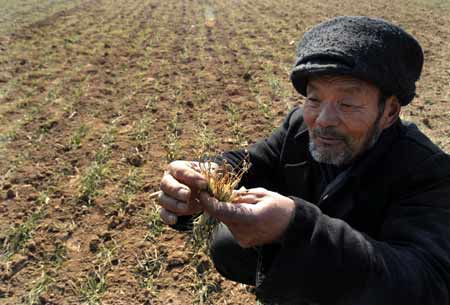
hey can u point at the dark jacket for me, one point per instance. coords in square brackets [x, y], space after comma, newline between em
[378, 234]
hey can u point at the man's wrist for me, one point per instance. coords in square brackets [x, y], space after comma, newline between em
[299, 222]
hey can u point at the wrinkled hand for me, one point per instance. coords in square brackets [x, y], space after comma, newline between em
[256, 217]
[180, 188]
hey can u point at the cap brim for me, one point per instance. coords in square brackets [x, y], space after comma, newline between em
[303, 71]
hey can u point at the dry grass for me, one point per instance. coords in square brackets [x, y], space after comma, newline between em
[222, 181]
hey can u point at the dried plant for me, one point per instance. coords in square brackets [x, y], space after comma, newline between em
[222, 181]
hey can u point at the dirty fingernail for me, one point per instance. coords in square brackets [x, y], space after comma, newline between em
[172, 219]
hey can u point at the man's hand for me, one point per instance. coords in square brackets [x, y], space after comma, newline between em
[180, 187]
[257, 217]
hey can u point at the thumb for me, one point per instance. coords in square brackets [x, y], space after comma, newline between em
[186, 173]
[224, 211]
[210, 205]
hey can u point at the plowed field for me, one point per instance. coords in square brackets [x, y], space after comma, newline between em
[97, 96]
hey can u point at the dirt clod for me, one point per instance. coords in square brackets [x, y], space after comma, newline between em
[135, 158]
[10, 194]
[94, 245]
[176, 259]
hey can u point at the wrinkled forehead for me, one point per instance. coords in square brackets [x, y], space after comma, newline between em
[344, 83]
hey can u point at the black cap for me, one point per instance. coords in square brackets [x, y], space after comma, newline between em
[370, 49]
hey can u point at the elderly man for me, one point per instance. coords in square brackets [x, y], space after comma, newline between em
[345, 203]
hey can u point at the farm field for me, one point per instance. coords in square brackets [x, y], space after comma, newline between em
[97, 96]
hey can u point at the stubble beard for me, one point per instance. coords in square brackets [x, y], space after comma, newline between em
[340, 156]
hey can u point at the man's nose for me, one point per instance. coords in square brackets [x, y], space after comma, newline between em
[328, 116]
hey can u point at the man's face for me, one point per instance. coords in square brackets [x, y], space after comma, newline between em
[342, 116]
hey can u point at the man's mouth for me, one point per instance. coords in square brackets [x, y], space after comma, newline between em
[329, 140]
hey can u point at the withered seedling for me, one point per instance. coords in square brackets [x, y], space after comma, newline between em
[222, 180]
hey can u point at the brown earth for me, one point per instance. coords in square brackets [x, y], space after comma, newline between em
[95, 99]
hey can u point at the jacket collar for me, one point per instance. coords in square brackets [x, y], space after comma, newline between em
[371, 158]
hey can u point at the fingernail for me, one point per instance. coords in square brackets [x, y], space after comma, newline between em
[184, 194]
[205, 196]
[172, 219]
[202, 185]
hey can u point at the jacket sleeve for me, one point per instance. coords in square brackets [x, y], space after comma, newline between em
[324, 260]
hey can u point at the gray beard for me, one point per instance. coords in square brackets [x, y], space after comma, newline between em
[346, 155]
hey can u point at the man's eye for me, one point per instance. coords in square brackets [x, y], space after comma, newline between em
[347, 106]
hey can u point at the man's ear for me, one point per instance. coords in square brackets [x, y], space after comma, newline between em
[391, 112]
